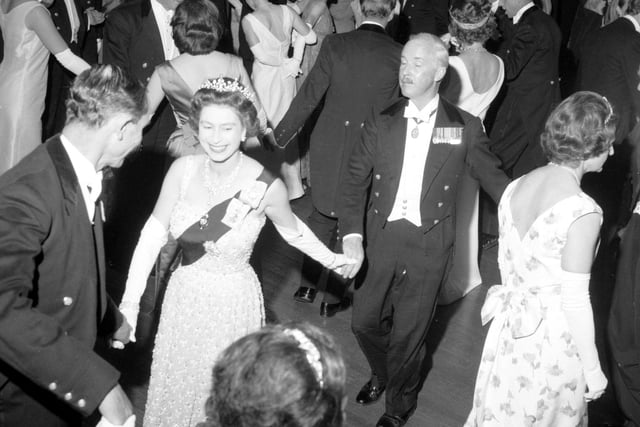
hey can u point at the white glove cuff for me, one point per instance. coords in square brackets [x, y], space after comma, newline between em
[71, 62]
[303, 239]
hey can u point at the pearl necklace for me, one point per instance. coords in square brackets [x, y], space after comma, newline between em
[220, 186]
[472, 48]
[570, 170]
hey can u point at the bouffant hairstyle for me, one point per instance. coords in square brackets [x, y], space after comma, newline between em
[227, 92]
[196, 27]
[583, 126]
[464, 13]
[102, 91]
[380, 9]
[289, 375]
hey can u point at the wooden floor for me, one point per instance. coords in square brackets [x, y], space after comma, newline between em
[454, 342]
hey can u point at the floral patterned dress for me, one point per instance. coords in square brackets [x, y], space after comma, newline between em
[212, 299]
[530, 373]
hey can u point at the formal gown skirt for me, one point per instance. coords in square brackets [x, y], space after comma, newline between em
[203, 312]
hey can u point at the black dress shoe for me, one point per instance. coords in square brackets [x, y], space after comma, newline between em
[330, 310]
[369, 393]
[304, 294]
[387, 420]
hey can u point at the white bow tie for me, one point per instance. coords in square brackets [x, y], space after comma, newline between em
[410, 112]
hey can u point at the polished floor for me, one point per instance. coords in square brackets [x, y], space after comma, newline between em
[454, 342]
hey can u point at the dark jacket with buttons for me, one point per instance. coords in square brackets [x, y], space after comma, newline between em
[377, 160]
[356, 73]
[52, 287]
[132, 41]
[530, 52]
[421, 16]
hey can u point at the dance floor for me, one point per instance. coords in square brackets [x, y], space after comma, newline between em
[454, 342]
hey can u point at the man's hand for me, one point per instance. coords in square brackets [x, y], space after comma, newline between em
[124, 333]
[352, 248]
[94, 17]
[116, 407]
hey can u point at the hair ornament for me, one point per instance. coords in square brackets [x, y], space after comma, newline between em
[469, 25]
[225, 84]
[610, 114]
[310, 350]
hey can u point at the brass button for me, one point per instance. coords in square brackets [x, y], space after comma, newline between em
[67, 301]
[435, 221]
[440, 204]
[378, 176]
[82, 403]
[446, 188]
[53, 386]
[332, 213]
[376, 194]
[144, 65]
[362, 124]
[346, 123]
[68, 396]
[375, 211]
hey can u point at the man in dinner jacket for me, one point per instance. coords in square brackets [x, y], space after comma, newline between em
[407, 228]
[356, 73]
[53, 300]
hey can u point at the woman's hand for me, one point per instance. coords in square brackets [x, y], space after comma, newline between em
[596, 383]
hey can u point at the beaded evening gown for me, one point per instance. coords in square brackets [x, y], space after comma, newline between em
[530, 373]
[211, 300]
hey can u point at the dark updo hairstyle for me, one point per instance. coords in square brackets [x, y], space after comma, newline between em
[102, 91]
[289, 375]
[196, 27]
[228, 92]
[582, 127]
[471, 13]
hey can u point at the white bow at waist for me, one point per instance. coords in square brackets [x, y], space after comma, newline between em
[523, 308]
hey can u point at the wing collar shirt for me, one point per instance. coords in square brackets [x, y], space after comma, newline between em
[523, 9]
[163, 19]
[634, 22]
[372, 23]
[416, 147]
[89, 180]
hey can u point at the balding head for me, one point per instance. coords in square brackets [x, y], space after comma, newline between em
[423, 65]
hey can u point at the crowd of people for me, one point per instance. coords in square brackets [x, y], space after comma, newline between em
[434, 131]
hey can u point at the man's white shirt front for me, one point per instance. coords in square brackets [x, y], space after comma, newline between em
[163, 19]
[407, 201]
[90, 181]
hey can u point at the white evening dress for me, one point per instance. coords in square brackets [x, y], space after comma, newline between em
[464, 275]
[276, 90]
[211, 300]
[23, 86]
[530, 373]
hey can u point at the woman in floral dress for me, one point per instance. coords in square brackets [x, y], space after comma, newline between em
[540, 364]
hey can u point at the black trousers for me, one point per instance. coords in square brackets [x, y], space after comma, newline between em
[624, 324]
[393, 308]
[326, 228]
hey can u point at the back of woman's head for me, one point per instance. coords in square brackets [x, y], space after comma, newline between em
[227, 92]
[288, 375]
[196, 27]
[583, 126]
[471, 21]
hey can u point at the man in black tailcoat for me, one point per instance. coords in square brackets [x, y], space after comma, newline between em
[530, 53]
[356, 73]
[408, 230]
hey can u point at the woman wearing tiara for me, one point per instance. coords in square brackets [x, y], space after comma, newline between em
[540, 363]
[473, 80]
[214, 204]
[196, 32]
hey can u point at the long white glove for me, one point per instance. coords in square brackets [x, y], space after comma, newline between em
[576, 305]
[152, 238]
[131, 422]
[303, 239]
[72, 62]
[292, 66]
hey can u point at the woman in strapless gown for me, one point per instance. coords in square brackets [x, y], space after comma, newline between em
[215, 205]
[179, 78]
[540, 363]
[269, 31]
[473, 81]
[29, 37]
